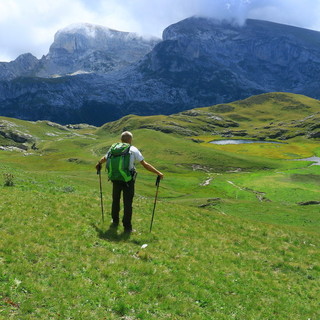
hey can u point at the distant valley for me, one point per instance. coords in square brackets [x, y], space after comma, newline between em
[270, 116]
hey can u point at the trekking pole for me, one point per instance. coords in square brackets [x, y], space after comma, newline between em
[155, 201]
[101, 200]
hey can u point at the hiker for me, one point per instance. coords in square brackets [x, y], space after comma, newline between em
[120, 184]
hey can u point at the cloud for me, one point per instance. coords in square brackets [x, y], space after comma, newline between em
[299, 13]
[30, 25]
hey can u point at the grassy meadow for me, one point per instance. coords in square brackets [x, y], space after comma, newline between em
[229, 241]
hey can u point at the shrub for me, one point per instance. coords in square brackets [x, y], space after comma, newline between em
[8, 179]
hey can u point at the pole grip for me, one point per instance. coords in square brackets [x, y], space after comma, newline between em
[158, 181]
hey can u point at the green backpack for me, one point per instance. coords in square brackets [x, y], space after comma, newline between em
[118, 161]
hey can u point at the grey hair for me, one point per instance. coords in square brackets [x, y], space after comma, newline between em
[126, 136]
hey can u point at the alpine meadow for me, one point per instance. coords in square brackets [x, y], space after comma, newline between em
[236, 227]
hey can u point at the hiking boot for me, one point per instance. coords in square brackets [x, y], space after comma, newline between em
[114, 225]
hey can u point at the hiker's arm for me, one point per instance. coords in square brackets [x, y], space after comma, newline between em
[151, 168]
[100, 162]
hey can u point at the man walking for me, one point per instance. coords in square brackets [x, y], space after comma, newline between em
[126, 185]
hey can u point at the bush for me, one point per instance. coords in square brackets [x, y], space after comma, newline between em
[8, 179]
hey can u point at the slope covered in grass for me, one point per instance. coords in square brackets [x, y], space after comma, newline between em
[267, 116]
[59, 261]
[230, 239]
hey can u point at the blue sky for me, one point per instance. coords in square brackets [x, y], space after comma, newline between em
[30, 25]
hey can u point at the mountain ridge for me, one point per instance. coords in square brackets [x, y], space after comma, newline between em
[277, 115]
[211, 64]
[81, 47]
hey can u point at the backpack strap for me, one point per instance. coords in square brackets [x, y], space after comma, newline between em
[122, 164]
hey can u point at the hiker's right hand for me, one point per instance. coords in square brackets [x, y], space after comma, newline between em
[98, 167]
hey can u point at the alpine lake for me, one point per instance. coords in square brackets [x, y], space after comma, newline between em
[314, 159]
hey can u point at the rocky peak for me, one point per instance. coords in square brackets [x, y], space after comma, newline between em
[22, 66]
[92, 48]
[243, 48]
[85, 36]
[26, 59]
[81, 48]
[209, 28]
[199, 28]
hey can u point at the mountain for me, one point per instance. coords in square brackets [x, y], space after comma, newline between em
[199, 62]
[23, 66]
[81, 48]
[92, 48]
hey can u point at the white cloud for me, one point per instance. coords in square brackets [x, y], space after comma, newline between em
[30, 25]
[294, 12]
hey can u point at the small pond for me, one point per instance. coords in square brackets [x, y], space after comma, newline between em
[316, 160]
[240, 141]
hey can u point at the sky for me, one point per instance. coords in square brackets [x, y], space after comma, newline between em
[30, 25]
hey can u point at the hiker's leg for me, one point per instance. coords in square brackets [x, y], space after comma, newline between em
[116, 195]
[128, 194]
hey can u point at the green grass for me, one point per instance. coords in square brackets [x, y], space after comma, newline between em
[237, 247]
[267, 116]
[198, 264]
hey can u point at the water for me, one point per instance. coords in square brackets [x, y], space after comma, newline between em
[316, 160]
[240, 141]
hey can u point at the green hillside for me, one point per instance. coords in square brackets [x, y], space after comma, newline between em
[267, 116]
[236, 229]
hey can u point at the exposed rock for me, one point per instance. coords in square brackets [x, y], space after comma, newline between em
[239, 133]
[34, 147]
[80, 126]
[11, 148]
[56, 125]
[81, 49]
[76, 160]
[210, 202]
[7, 124]
[206, 182]
[197, 140]
[307, 203]
[24, 65]
[16, 136]
[259, 195]
[198, 167]
[314, 134]
[92, 48]
[277, 133]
